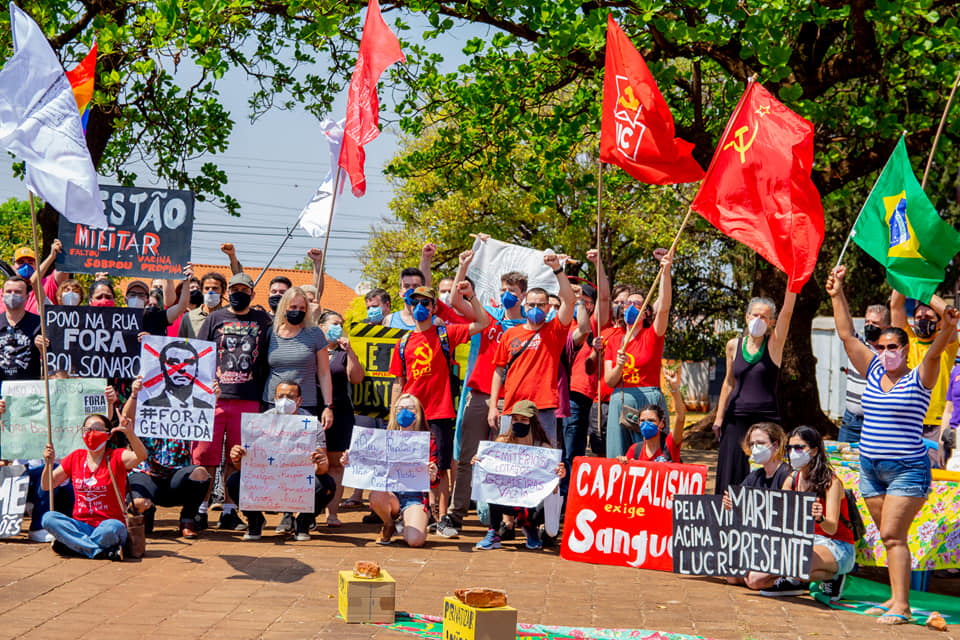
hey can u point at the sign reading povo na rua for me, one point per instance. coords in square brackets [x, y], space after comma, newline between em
[94, 342]
[177, 399]
[765, 530]
[621, 514]
[149, 234]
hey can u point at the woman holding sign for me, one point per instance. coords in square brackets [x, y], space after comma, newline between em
[658, 445]
[894, 467]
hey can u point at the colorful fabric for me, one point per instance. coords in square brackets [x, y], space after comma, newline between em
[164, 457]
[860, 594]
[934, 536]
[426, 626]
[81, 79]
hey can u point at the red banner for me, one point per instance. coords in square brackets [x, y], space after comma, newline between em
[622, 514]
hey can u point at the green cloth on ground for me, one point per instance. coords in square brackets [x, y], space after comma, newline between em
[859, 594]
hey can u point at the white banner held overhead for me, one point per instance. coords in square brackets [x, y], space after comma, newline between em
[493, 258]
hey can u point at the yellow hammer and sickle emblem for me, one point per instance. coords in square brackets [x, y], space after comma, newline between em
[629, 101]
[738, 144]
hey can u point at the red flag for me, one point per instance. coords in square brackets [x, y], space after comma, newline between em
[758, 188]
[636, 130]
[379, 48]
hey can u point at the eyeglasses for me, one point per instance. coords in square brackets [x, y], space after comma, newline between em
[89, 429]
[796, 447]
[423, 302]
[888, 347]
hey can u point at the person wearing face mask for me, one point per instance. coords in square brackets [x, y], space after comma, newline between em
[378, 305]
[875, 320]
[156, 319]
[749, 391]
[194, 301]
[633, 368]
[287, 401]
[212, 287]
[98, 526]
[101, 293]
[19, 355]
[657, 445]
[345, 370]
[69, 293]
[279, 285]
[410, 279]
[895, 473]
[408, 508]
[524, 429]
[445, 290]
[25, 266]
[926, 328]
[242, 336]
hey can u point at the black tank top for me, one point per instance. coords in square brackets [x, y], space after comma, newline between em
[756, 392]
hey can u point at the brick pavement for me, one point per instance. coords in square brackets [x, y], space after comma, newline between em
[222, 587]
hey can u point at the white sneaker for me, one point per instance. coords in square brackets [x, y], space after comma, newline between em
[40, 535]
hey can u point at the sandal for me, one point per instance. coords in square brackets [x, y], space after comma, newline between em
[876, 610]
[894, 619]
[334, 522]
[350, 503]
[386, 534]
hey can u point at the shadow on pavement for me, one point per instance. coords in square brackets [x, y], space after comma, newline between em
[284, 570]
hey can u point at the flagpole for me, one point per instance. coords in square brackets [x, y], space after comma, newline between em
[280, 248]
[597, 312]
[936, 139]
[333, 203]
[38, 293]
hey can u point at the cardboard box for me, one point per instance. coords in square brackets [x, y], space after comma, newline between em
[461, 622]
[366, 599]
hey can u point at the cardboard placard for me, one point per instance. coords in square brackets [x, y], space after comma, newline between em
[149, 235]
[621, 514]
[177, 399]
[14, 483]
[382, 460]
[767, 530]
[366, 599]
[463, 622]
[23, 427]
[94, 342]
[277, 474]
[514, 475]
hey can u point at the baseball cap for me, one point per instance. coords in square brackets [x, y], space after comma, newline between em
[138, 283]
[524, 408]
[23, 252]
[240, 278]
[426, 292]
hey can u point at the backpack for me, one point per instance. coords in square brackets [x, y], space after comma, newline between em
[445, 345]
[855, 523]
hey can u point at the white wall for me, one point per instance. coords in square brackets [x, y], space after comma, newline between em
[828, 350]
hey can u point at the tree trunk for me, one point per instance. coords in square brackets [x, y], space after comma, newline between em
[798, 395]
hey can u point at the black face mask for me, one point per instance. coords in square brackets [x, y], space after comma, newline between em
[239, 300]
[196, 297]
[871, 332]
[295, 316]
[274, 301]
[520, 429]
[925, 327]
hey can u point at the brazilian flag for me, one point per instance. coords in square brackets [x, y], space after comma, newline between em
[899, 227]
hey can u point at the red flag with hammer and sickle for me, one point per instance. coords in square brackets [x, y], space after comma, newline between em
[636, 130]
[758, 189]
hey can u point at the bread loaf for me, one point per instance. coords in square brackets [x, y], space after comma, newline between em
[936, 621]
[365, 569]
[481, 597]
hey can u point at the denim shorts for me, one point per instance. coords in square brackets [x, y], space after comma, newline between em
[843, 552]
[908, 478]
[410, 499]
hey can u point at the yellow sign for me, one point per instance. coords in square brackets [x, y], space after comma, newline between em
[462, 622]
[366, 599]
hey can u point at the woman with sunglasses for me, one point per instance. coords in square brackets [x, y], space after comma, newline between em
[894, 468]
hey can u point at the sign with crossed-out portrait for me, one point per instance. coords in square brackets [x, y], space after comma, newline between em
[177, 399]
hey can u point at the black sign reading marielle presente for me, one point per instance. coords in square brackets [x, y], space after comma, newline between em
[767, 530]
[94, 342]
[149, 235]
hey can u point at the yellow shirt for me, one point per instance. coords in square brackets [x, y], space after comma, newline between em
[938, 395]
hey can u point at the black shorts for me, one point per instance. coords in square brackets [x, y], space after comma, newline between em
[442, 432]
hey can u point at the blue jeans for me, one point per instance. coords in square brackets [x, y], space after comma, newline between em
[618, 438]
[850, 427]
[83, 538]
[575, 430]
[910, 478]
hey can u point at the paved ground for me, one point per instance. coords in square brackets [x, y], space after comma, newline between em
[222, 587]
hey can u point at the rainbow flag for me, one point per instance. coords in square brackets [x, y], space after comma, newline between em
[81, 79]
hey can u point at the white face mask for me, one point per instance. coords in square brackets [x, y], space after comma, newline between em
[70, 298]
[286, 406]
[211, 299]
[445, 297]
[135, 303]
[757, 327]
[761, 453]
[799, 459]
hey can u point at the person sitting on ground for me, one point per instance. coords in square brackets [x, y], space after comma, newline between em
[287, 399]
[98, 527]
[657, 445]
[524, 429]
[409, 507]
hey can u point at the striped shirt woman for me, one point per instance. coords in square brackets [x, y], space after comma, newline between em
[893, 420]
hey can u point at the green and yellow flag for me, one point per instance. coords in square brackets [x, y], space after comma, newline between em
[899, 227]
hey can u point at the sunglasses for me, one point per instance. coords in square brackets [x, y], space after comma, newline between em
[423, 302]
[796, 447]
[888, 347]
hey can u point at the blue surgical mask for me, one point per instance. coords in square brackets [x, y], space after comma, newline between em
[25, 270]
[420, 313]
[552, 314]
[536, 315]
[508, 300]
[405, 417]
[334, 332]
[649, 429]
[374, 314]
[631, 314]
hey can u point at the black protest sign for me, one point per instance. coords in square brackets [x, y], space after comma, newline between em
[767, 530]
[149, 235]
[14, 482]
[94, 342]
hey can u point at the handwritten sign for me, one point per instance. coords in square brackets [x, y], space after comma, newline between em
[767, 530]
[94, 342]
[514, 475]
[177, 399]
[14, 482]
[149, 234]
[621, 514]
[382, 460]
[23, 428]
[277, 474]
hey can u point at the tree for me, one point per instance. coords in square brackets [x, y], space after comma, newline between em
[861, 71]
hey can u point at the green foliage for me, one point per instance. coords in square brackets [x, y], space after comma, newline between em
[15, 229]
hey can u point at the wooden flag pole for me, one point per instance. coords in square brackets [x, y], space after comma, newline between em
[596, 310]
[333, 203]
[38, 293]
[936, 139]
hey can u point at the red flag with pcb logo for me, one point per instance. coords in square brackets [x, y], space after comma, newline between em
[758, 189]
[636, 130]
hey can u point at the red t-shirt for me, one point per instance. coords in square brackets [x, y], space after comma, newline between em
[580, 381]
[427, 372]
[644, 357]
[96, 500]
[480, 379]
[609, 335]
[672, 449]
[533, 375]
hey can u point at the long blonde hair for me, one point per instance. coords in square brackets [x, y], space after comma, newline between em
[420, 424]
[280, 320]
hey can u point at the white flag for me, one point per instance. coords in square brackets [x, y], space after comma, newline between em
[318, 212]
[40, 124]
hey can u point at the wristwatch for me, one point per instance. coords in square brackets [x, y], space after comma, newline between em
[328, 405]
[558, 271]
